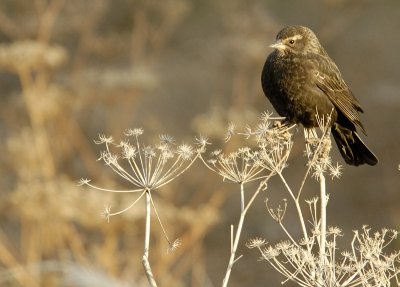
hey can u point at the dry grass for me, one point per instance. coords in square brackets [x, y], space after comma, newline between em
[51, 230]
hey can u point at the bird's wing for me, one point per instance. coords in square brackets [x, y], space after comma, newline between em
[329, 80]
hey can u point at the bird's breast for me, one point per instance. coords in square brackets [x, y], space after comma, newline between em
[288, 83]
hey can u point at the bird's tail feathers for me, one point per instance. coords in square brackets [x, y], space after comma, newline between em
[351, 147]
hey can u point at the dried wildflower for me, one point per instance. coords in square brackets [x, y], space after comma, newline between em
[185, 152]
[146, 167]
[256, 242]
[314, 260]
[174, 245]
[273, 148]
[319, 170]
[284, 245]
[335, 231]
[318, 149]
[229, 132]
[365, 265]
[128, 151]
[305, 241]
[134, 132]
[270, 252]
[167, 139]
[312, 200]
[202, 142]
[149, 152]
[277, 213]
[346, 254]
[83, 181]
[103, 139]
[336, 171]
[240, 167]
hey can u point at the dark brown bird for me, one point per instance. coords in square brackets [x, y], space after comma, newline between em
[300, 79]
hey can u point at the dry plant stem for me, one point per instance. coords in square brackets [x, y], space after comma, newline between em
[241, 198]
[235, 244]
[323, 218]
[145, 258]
[244, 209]
[296, 200]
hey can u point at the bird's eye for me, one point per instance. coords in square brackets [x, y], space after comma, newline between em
[291, 42]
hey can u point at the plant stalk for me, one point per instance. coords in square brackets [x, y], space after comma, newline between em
[232, 259]
[323, 219]
[145, 258]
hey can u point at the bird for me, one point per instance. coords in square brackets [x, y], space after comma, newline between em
[301, 81]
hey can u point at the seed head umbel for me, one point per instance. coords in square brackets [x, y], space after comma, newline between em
[269, 148]
[145, 167]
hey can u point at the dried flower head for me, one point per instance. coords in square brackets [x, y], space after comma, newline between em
[167, 139]
[146, 167]
[229, 132]
[277, 213]
[318, 147]
[269, 253]
[256, 242]
[174, 245]
[240, 166]
[365, 265]
[201, 142]
[273, 146]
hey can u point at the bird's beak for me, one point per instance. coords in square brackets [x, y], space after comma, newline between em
[278, 45]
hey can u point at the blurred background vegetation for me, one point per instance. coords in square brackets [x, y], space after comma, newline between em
[70, 70]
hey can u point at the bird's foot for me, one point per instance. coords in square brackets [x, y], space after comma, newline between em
[280, 124]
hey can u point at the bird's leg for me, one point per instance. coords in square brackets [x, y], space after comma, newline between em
[281, 124]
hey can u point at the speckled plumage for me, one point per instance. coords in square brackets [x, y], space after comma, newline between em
[299, 79]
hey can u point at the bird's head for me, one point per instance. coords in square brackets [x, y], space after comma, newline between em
[297, 40]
